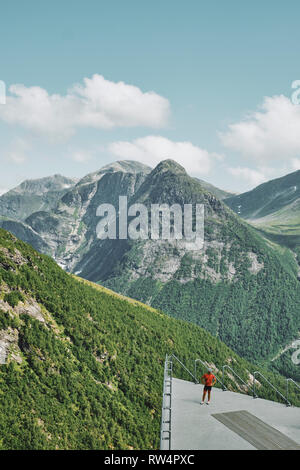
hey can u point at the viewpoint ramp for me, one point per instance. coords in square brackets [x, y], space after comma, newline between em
[232, 421]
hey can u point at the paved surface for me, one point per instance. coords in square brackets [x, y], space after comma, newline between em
[257, 432]
[194, 427]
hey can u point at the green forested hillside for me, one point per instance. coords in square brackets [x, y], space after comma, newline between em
[81, 367]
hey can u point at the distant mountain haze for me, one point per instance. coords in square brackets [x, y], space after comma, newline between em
[274, 209]
[33, 195]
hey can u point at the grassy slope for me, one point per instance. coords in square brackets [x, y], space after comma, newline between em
[273, 208]
[90, 375]
[283, 227]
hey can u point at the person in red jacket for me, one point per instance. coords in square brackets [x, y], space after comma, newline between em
[208, 381]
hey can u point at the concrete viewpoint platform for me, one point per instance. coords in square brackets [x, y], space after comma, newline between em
[193, 426]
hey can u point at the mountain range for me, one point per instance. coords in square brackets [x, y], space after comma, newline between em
[242, 287]
[34, 195]
[274, 209]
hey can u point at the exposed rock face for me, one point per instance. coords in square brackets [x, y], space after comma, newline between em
[16, 256]
[255, 266]
[30, 307]
[70, 229]
[9, 345]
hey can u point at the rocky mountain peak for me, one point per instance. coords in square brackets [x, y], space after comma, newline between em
[124, 166]
[169, 165]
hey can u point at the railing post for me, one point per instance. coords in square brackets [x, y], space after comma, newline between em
[272, 386]
[166, 407]
[184, 367]
[287, 387]
[236, 375]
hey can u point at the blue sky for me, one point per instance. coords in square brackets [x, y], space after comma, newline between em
[220, 72]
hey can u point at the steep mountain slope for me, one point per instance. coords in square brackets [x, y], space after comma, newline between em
[167, 183]
[70, 228]
[240, 287]
[282, 227]
[34, 195]
[35, 199]
[219, 193]
[267, 198]
[25, 233]
[274, 209]
[80, 366]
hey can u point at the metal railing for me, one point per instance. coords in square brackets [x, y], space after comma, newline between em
[166, 414]
[270, 385]
[226, 366]
[185, 368]
[166, 409]
[287, 386]
[251, 389]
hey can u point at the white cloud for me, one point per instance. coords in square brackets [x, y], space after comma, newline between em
[80, 156]
[153, 149]
[272, 133]
[251, 177]
[97, 103]
[18, 151]
[295, 164]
